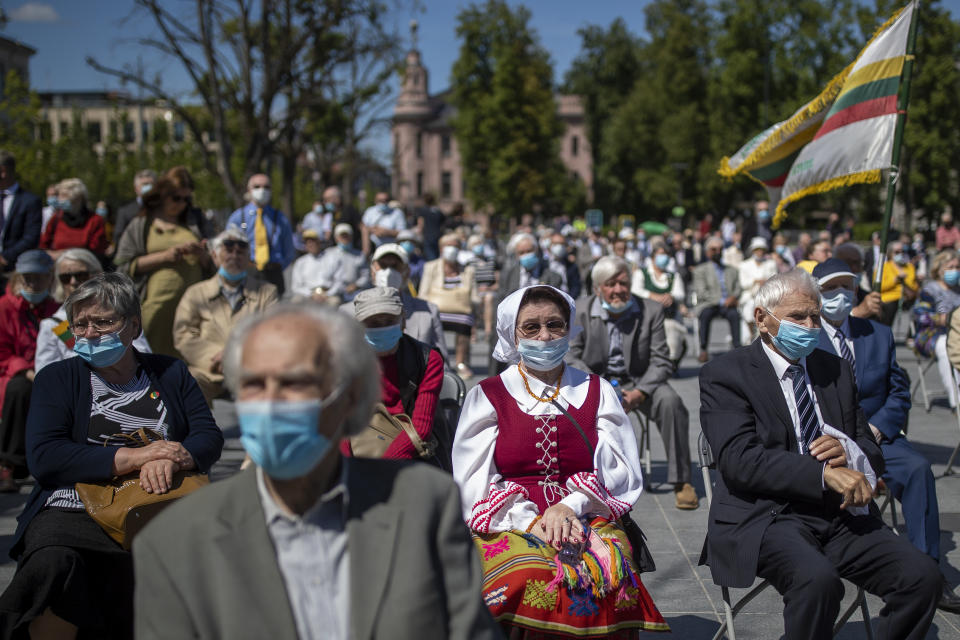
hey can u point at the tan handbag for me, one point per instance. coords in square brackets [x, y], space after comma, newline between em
[121, 507]
[383, 429]
[452, 300]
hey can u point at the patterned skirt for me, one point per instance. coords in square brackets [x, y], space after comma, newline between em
[599, 594]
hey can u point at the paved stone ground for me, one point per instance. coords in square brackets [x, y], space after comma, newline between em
[683, 591]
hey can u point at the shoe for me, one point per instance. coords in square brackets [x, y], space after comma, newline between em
[949, 601]
[704, 356]
[7, 483]
[464, 371]
[686, 497]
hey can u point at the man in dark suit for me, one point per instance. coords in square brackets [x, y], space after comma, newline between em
[309, 544]
[20, 215]
[142, 182]
[623, 340]
[794, 455]
[884, 392]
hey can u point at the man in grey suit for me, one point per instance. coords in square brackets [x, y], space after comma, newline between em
[623, 340]
[717, 288]
[309, 544]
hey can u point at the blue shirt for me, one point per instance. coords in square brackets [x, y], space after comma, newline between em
[279, 231]
[721, 276]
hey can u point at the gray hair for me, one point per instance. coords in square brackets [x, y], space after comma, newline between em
[771, 292]
[657, 243]
[145, 174]
[74, 188]
[114, 291]
[352, 358]
[76, 254]
[609, 267]
[230, 233]
[713, 241]
[517, 239]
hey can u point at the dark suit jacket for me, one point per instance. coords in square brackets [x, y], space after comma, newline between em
[746, 420]
[646, 354]
[21, 227]
[882, 385]
[58, 454]
[414, 571]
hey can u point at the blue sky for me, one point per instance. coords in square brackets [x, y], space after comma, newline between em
[65, 32]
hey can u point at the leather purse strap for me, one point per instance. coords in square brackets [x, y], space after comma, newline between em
[583, 434]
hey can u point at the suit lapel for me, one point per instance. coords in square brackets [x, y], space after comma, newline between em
[630, 336]
[825, 388]
[373, 534]
[247, 546]
[765, 380]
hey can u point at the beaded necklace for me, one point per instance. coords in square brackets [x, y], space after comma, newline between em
[526, 384]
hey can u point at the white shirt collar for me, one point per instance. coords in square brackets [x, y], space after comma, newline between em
[273, 511]
[780, 363]
[832, 330]
[573, 389]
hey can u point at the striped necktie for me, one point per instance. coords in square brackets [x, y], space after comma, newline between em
[809, 425]
[845, 352]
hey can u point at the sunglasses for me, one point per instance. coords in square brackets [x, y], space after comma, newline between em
[80, 276]
[532, 329]
[230, 245]
[179, 198]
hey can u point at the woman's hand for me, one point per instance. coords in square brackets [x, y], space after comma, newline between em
[129, 459]
[560, 524]
[156, 476]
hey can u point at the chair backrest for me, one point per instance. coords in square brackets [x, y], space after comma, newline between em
[452, 394]
[454, 389]
[707, 462]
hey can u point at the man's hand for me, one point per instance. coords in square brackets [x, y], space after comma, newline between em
[559, 524]
[30, 374]
[3, 261]
[216, 363]
[869, 308]
[633, 398]
[730, 302]
[350, 288]
[828, 449]
[850, 484]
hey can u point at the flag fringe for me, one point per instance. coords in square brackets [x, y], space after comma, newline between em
[815, 106]
[872, 176]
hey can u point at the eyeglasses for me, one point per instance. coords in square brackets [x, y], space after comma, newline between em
[230, 245]
[178, 198]
[532, 329]
[79, 276]
[100, 325]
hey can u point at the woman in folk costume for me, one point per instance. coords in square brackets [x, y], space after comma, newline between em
[547, 463]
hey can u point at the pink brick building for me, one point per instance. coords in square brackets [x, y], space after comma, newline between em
[426, 158]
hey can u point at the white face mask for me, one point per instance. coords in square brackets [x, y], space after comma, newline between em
[450, 253]
[260, 195]
[389, 278]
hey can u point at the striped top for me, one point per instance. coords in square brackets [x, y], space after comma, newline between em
[117, 408]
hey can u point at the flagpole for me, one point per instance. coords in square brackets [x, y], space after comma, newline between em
[903, 99]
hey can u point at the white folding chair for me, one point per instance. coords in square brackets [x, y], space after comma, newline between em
[956, 449]
[731, 609]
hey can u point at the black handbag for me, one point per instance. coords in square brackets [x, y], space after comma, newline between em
[642, 557]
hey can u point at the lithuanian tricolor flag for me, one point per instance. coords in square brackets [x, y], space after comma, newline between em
[63, 332]
[842, 137]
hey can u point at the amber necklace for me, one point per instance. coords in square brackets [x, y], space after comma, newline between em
[526, 383]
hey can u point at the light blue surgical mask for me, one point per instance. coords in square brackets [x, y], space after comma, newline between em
[65, 205]
[662, 260]
[837, 304]
[231, 277]
[383, 339]
[951, 277]
[616, 309]
[795, 341]
[763, 214]
[32, 297]
[281, 435]
[346, 246]
[529, 261]
[409, 247]
[559, 251]
[543, 355]
[329, 207]
[478, 249]
[104, 351]
[102, 212]
[52, 201]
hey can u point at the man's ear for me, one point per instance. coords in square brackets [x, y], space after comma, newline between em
[760, 318]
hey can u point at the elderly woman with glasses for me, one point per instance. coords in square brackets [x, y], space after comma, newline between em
[54, 340]
[71, 576]
[163, 251]
[547, 464]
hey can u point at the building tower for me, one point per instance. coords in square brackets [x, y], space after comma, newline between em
[411, 110]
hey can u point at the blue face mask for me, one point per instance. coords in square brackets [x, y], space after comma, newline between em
[65, 205]
[542, 355]
[409, 247]
[346, 246]
[795, 341]
[104, 351]
[329, 207]
[33, 298]
[383, 339]
[616, 308]
[281, 436]
[662, 260]
[478, 249]
[101, 212]
[529, 261]
[52, 201]
[836, 305]
[763, 214]
[231, 277]
[951, 277]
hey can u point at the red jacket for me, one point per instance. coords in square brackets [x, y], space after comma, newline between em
[19, 322]
[59, 235]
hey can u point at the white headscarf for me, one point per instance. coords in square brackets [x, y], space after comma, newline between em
[506, 350]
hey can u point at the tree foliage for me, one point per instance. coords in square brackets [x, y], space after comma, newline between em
[506, 120]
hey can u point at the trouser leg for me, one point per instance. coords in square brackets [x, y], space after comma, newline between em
[733, 319]
[706, 317]
[869, 554]
[211, 385]
[16, 404]
[667, 410]
[910, 480]
[675, 337]
[792, 559]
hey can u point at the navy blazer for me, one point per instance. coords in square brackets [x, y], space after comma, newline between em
[58, 454]
[21, 227]
[745, 417]
[883, 386]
